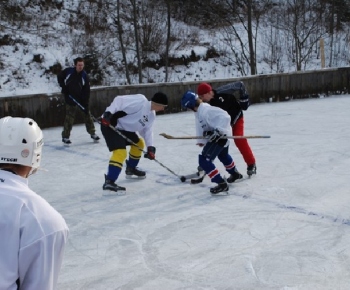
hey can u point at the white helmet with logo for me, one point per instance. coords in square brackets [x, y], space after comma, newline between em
[21, 142]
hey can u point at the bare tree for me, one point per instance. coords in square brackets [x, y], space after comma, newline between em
[135, 17]
[337, 15]
[121, 25]
[272, 41]
[118, 22]
[301, 24]
[239, 20]
[168, 35]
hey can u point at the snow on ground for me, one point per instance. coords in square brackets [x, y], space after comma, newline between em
[288, 227]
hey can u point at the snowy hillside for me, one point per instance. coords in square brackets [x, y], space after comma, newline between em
[33, 51]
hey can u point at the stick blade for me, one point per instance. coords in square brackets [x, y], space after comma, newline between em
[198, 179]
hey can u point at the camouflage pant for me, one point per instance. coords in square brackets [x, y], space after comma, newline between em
[69, 121]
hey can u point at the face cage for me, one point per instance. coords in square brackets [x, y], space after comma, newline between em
[36, 159]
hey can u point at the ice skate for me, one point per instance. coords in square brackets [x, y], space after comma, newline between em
[110, 185]
[251, 169]
[66, 141]
[234, 176]
[223, 186]
[134, 173]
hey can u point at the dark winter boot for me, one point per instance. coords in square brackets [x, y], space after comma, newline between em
[219, 188]
[110, 185]
[66, 141]
[134, 173]
[234, 176]
[251, 169]
[95, 137]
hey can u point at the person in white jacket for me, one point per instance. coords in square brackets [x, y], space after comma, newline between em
[213, 124]
[129, 118]
[32, 233]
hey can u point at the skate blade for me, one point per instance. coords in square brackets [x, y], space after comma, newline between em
[221, 193]
[135, 177]
[113, 193]
[250, 174]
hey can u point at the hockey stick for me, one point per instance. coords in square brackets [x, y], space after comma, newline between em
[167, 136]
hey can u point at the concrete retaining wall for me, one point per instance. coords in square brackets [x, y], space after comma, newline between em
[48, 109]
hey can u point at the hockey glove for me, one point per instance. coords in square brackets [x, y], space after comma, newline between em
[216, 135]
[207, 133]
[112, 119]
[151, 153]
[244, 97]
[106, 119]
[244, 100]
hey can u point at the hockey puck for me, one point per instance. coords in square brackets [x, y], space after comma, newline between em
[183, 178]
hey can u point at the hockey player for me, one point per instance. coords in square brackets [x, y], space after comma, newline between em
[130, 115]
[33, 234]
[224, 98]
[214, 124]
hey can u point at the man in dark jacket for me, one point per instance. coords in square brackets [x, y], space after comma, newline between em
[224, 98]
[75, 85]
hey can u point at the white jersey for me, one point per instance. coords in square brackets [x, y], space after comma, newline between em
[32, 237]
[139, 116]
[209, 118]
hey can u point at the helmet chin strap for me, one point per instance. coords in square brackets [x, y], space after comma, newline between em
[35, 170]
[32, 171]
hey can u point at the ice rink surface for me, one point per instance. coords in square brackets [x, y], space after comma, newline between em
[288, 227]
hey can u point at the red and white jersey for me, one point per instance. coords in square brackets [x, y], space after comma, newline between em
[210, 118]
[139, 116]
[32, 237]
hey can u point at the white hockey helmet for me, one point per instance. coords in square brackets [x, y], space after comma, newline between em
[21, 142]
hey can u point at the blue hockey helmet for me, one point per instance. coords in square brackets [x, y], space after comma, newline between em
[189, 99]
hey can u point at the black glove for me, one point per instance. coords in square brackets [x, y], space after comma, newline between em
[244, 97]
[151, 153]
[206, 134]
[111, 119]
